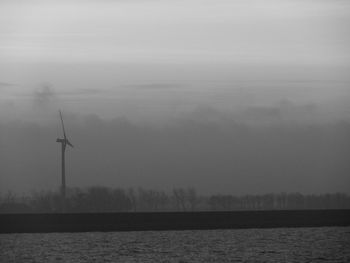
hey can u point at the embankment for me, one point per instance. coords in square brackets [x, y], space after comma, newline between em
[85, 222]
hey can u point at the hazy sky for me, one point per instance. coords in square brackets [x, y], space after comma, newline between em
[149, 56]
[272, 31]
[269, 78]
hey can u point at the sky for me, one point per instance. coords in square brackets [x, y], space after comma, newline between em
[225, 96]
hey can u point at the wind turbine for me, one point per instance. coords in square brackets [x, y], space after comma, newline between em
[64, 142]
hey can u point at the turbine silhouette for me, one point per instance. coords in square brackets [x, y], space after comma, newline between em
[64, 142]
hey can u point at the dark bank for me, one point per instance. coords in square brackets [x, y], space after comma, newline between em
[86, 222]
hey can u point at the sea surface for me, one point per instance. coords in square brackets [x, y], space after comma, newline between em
[323, 244]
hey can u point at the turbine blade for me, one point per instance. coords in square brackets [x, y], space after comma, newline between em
[64, 132]
[68, 142]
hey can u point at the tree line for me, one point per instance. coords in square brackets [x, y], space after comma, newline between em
[105, 199]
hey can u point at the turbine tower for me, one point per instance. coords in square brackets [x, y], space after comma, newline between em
[64, 142]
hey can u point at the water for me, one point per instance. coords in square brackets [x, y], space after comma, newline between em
[327, 244]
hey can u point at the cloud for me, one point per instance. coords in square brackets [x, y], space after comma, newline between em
[83, 92]
[6, 84]
[154, 86]
[44, 96]
[284, 111]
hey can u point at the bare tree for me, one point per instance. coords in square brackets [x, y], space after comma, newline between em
[192, 198]
[180, 198]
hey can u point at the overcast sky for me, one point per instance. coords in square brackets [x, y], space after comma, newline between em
[138, 79]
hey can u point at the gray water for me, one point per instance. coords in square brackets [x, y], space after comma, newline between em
[327, 244]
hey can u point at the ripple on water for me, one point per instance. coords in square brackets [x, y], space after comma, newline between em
[327, 244]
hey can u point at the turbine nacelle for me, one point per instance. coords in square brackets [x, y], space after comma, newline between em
[64, 141]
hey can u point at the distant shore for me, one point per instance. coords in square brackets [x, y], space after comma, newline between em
[88, 222]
